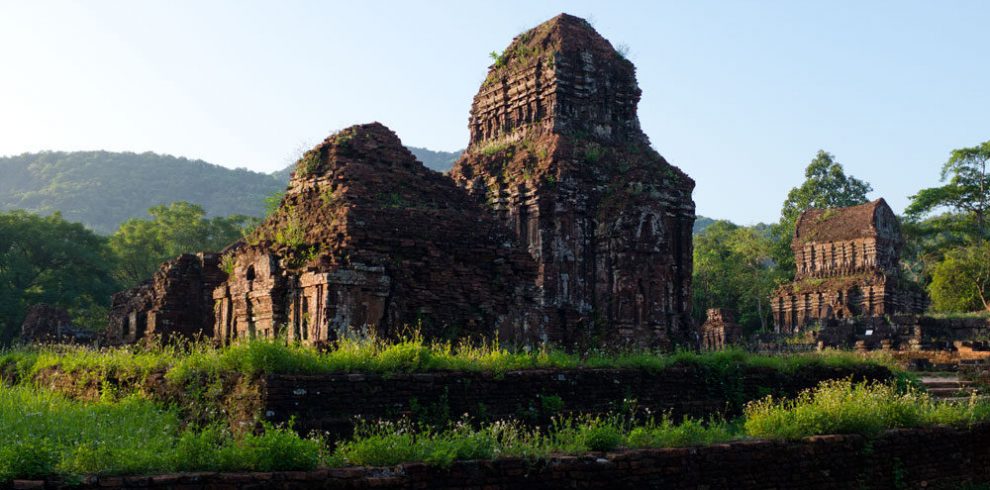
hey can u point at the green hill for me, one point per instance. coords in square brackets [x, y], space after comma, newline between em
[702, 222]
[102, 189]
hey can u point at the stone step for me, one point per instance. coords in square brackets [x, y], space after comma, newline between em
[950, 392]
[962, 399]
[946, 384]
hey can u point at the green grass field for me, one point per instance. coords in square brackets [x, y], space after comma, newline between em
[44, 433]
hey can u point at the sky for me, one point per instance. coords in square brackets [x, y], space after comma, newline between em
[739, 94]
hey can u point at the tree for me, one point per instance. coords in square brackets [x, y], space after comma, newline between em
[826, 185]
[961, 282]
[733, 269]
[966, 189]
[142, 245]
[927, 240]
[49, 260]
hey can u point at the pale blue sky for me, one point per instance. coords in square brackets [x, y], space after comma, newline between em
[739, 94]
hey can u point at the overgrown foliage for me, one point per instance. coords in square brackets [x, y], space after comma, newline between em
[49, 260]
[945, 233]
[126, 430]
[391, 443]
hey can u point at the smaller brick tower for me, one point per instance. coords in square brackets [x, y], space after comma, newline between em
[848, 265]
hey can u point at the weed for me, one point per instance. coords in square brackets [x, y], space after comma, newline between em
[329, 197]
[393, 200]
[494, 148]
[292, 234]
[308, 164]
[593, 153]
[551, 404]
[227, 264]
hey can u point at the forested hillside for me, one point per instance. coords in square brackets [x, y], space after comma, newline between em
[102, 189]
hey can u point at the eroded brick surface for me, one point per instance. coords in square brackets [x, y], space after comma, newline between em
[47, 323]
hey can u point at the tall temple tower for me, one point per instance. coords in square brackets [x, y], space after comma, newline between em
[558, 156]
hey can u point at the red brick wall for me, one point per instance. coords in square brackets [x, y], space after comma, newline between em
[330, 402]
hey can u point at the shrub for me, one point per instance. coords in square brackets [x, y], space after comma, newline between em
[292, 234]
[308, 164]
[601, 437]
[276, 449]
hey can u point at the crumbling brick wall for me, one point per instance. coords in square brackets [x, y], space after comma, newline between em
[177, 301]
[48, 323]
[369, 239]
[330, 403]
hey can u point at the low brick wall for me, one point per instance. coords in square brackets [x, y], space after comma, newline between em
[939, 457]
[329, 403]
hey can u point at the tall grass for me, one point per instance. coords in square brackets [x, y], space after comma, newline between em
[390, 443]
[253, 357]
[45, 434]
[844, 407]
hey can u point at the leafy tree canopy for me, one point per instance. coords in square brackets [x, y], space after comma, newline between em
[826, 185]
[141, 245]
[961, 282]
[733, 269]
[966, 189]
[49, 260]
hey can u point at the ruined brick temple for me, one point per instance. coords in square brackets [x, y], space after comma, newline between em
[558, 157]
[720, 330]
[176, 301]
[848, 267]
[560, 223]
